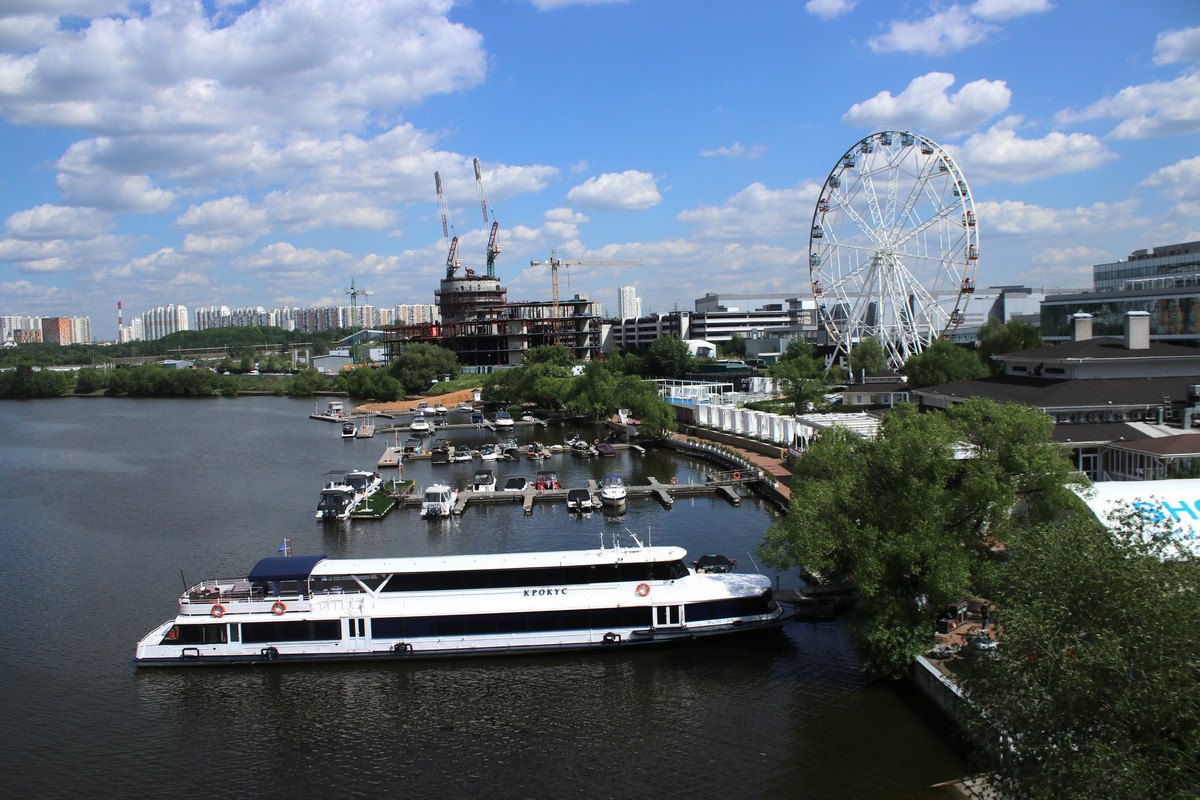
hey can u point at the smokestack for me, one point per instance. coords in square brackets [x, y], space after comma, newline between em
[1137, 330]
[1081, 329]
[120, 322]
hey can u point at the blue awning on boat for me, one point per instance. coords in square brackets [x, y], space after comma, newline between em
[284, 568]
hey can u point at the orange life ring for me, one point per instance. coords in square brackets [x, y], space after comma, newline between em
[643, 589]
[737, 476]
[218, 611]
[674, 480]
[278, 608]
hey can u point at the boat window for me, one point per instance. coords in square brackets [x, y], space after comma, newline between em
[298, 631]
[210, 633]
[535, 576]
[736, 607]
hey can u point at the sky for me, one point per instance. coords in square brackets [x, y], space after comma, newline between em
[269, 153]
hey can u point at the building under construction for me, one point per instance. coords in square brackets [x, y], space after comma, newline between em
[478, 322]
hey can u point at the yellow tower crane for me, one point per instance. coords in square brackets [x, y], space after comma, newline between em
[554, 263]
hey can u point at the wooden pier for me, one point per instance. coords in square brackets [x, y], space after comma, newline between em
[720, 484]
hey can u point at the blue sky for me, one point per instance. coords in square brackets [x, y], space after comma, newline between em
[268, 153]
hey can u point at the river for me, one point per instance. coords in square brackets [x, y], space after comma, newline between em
[110, 504]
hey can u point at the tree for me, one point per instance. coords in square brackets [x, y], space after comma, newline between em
[909, 522]
[996, 338]
[943, 362]
[1088, 693]
[419, 364]
[735, 347]
[866, 357]
[306, 382]
[89, 380]
[368, 383]
[668, 357]
[802, 374]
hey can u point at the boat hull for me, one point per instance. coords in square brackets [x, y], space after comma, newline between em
[416, 650]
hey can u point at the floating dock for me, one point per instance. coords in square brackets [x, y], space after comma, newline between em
[722, 485]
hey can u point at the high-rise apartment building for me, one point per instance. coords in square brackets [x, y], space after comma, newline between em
[629, 305]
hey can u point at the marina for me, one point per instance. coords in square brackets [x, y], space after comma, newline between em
[434, 722]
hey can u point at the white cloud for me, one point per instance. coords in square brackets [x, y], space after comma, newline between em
[1003, 10]
[550, 5]
[1178, 46]
[1017, 218]
[630, 190]
[1179, 181]
[925, 105]
[1071, 255]
[115, 193]
[201, 244]
[55, 222]
[1150, 109]
[62, 255]
[755, 212]
[1001, 155]
[225, 216]
[828, 9]
[736, 150]
[940, 34]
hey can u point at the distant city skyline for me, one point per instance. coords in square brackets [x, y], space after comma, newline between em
[183, 152]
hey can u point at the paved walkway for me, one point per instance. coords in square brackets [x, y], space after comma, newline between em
[769, 464]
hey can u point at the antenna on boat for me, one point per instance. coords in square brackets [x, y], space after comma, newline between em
[750, 556]
[182, 578]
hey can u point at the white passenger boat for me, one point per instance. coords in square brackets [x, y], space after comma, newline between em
[503, 419]
[313, 608]
[612, 491]
[419, 424]
[438, 500]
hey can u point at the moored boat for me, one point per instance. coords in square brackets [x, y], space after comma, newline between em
[612, 490]
[313, 608]
[363, 483]
[348, 430]
[438, 500]
[547, 480]
[485, 481]
[503, 419]
[579, 500]
[419, 424]
[337, 501]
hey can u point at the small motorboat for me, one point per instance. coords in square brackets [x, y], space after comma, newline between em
[612, 490]
[503, 419]
[440, 409]
[605, 449]
[489, 452]
[579, 500]
[547, 480]
[461, 454]
[484, 481]
[439, 500]
[337, 501]
[515, 484]
[476, 417]
[348, 430]
[464, 407]
[419, 424]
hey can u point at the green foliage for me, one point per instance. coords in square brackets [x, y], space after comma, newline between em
[153, 380]
[866, 357]
[802, 374]
[306, 383]
[668, 357]
[626, 363]
[943, 362]
[911, 524]
[367, 383]
[996, 338]
[89, 380]
[734, 348]
[552, 354]
[419, 364]
[1092, 689]
[26, 382]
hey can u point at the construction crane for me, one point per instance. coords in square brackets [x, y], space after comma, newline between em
[451, 261]
[354, 293]
[554, 263]
[493, 246]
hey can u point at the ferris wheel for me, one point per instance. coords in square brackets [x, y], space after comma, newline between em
[894, 246]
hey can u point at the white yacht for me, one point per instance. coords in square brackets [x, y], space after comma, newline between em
[612, 490]
[438, 500]
[364, 483]
[419, 424]
[503, 419]
[313, 608]
[337, 501]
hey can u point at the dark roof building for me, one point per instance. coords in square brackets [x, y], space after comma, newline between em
[1108, 396]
